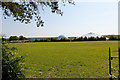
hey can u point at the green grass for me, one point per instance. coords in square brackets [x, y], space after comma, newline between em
[87, 59]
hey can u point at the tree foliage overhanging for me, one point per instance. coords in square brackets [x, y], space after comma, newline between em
[25, 11]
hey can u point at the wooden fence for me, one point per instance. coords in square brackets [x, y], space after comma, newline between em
[110, 59]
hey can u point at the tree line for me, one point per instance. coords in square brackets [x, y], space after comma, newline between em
[71, 39]
[62, 39]
[77, 39]
[15, 38]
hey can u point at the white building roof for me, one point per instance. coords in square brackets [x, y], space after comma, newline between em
[61, 36]
[91, 35]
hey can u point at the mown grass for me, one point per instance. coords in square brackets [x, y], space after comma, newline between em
[87, 59]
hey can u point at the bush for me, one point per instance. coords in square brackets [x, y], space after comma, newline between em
[113, 38]
[12, 64]
[91, 39]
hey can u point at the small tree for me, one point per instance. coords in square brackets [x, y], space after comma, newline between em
[36, 40]
[3, 39]
[91, 39]
[102, 38]
[53, 39]
[22, 38]
[13, 38]
[85, 38]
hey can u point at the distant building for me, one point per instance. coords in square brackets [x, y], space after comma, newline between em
[107, 38]
[91, 35]
[18, 41]
[61, 36]
[111, 35]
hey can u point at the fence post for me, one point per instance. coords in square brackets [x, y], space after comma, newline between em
[110, 62]
[119, 64]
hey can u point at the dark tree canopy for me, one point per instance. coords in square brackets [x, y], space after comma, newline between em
[25, 11]
[22, 38]
[13, 38]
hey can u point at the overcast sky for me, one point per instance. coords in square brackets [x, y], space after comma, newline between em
[78, 19]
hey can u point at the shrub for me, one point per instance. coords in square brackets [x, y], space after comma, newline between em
[12, 64]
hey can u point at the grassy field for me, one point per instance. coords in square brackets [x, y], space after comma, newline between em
[87, 59]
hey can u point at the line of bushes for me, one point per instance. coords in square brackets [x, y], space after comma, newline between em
[76, 39]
